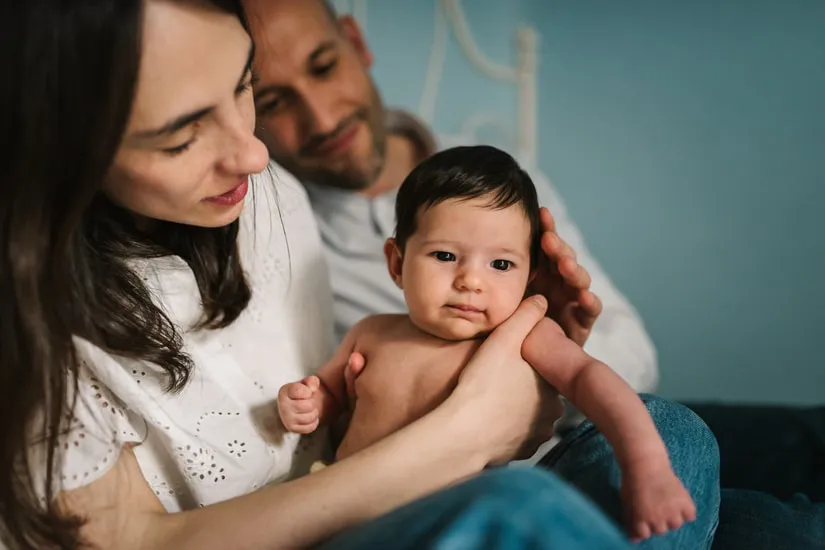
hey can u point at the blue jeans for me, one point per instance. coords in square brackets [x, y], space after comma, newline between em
[503, 509]
[586, 460]
[773, 476]
[517, 507]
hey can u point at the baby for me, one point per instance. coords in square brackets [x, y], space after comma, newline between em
[465, 249]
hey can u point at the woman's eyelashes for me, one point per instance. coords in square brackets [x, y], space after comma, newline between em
[250, 81]
[178, 149]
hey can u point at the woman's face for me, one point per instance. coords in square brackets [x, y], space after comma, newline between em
[189, 146]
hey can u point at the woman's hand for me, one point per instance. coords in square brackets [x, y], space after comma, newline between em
[501, 398]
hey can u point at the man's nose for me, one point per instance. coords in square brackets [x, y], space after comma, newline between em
[320, 116]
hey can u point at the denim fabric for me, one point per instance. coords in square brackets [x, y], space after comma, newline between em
[503, 509]
[751, 520]
[773, 476]
[586, 460]
[518, 507]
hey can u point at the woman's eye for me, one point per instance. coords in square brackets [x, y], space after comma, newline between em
[248, 83]
[174, 151]
[501, 265]
[442, 256]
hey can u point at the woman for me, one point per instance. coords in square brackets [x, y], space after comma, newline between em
[147, 319]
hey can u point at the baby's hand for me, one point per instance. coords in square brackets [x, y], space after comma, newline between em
[298, 405]
[656, 502]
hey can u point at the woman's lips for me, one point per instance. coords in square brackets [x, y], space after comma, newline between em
[233, 196]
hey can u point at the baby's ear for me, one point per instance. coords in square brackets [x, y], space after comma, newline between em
[394, 261]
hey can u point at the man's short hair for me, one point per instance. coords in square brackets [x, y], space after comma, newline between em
[331, 11]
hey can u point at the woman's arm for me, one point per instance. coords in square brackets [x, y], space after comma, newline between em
[456, 440]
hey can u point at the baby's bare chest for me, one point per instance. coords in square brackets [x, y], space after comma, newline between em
[408, 371]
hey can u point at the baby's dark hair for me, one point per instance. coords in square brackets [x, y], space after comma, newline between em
[466, 173]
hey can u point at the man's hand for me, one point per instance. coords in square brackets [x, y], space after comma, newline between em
[565, 284]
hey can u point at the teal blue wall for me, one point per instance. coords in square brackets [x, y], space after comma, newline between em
[688, 139]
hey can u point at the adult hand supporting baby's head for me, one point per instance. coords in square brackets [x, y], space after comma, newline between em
[504, 399]
[565, 283]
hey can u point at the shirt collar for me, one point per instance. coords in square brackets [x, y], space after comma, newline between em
[334, 206]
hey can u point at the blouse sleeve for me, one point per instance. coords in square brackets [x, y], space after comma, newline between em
[93, 433]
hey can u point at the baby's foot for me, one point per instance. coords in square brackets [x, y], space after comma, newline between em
[656, 502]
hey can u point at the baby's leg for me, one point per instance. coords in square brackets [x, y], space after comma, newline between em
[586, 459]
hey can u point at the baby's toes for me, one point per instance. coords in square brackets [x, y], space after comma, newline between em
[675, 521]
[659, 526]
[641, 531]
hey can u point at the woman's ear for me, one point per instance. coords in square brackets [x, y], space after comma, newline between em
[395, 261]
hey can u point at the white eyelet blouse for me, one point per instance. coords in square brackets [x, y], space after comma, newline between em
[220, 437]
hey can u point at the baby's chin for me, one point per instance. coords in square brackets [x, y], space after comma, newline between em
[456, 329]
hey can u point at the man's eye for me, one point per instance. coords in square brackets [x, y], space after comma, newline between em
[442, 256]
[325, 69]
[269, 106]
[501, 265]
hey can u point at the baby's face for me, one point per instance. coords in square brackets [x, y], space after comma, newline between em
[466, 268]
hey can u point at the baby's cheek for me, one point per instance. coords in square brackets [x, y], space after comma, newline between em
[500, 313]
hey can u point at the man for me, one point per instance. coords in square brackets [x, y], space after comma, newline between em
[321, 117]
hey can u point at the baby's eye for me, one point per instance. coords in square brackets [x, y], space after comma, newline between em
[501, 265]
[442, 256]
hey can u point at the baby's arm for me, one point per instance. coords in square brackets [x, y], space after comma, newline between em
[657, 500]
[318, 399]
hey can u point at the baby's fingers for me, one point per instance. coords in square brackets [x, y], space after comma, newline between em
[304, 428]
[305, 419]
[301, 423]
[298, 390]
[303, 406]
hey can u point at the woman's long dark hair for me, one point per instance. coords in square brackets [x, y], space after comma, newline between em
[65, 100]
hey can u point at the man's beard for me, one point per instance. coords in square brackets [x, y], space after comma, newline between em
[356, 176]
